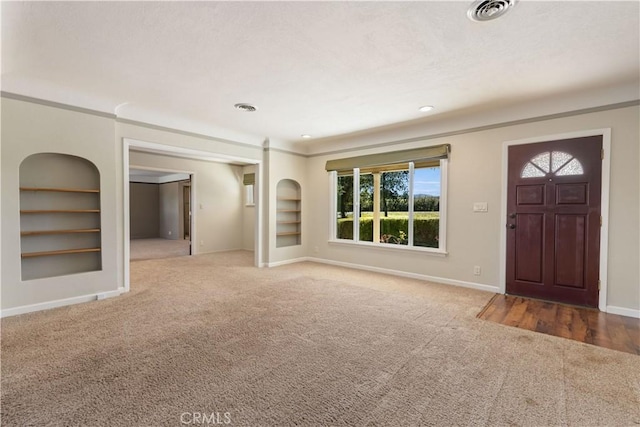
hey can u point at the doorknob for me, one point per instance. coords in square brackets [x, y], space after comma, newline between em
[512, 226]
[512, 215]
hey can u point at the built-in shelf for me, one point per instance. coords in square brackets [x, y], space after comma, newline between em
[60, 217]
[288, 213]
[60, 190]
[46, 232]
[48, 211]
[59, 252]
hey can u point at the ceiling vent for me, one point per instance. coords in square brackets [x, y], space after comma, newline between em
[486, 10]
[248, 108]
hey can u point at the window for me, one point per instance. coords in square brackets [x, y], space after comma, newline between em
[249, 181]
[248, 195]
[396, 204]
[557, 163]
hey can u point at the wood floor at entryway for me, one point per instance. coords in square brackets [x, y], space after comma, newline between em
[586, 325]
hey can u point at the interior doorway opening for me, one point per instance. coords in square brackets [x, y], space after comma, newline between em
[133, 145]
[159, 213]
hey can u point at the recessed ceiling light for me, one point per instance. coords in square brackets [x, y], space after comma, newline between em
[426, 108]
[486, 10]
[248, 108]
[305, 136]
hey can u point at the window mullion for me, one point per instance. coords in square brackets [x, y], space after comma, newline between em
[356, 205]
[376, 207]
[410, 202]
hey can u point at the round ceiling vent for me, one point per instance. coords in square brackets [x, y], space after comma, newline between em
[486, 10]
[246, 107]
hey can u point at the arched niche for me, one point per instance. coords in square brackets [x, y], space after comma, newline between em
[60, 230]
[288, 213]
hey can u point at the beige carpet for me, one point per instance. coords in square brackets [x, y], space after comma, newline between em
[140, 249]
[304, 344]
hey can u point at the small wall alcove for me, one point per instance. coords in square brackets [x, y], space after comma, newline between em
[59, 216]
[288, 213]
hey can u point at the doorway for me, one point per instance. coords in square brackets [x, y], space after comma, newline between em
[158, 226]
[553, 220]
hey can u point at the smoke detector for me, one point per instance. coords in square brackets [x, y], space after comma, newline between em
[486, 10]
[247, 108]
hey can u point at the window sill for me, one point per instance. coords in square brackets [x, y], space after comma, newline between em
[391, 247]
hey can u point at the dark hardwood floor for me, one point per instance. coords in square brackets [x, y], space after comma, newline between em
[587, 325]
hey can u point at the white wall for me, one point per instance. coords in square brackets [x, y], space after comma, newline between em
[474, 176]
[29, 128]
[218, 210]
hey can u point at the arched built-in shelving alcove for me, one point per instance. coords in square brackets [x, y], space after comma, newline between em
[288, 213]
[59, 216]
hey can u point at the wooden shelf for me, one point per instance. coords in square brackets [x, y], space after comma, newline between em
[59, 190]
[59, 252]
[288, 233]
[289, 200]
[288, 210]
[38, 211]
[289, 222]
[45, 232]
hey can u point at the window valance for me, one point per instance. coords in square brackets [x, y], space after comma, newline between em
[249, 179]
[421, 157]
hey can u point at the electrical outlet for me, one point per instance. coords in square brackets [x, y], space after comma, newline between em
[477, 270]
[316, 249]
[169, 232]
[201, 242]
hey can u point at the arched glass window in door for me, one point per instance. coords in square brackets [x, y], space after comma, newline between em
[556, 163]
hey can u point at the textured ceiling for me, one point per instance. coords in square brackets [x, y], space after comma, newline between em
[320, 68]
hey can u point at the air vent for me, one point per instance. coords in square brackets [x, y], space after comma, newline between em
[246, 107]
[486, 10]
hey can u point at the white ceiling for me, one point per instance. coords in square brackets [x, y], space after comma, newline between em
[320, 68]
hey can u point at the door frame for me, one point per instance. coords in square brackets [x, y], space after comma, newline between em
[177, 151]
[604, 199]
[182, 198]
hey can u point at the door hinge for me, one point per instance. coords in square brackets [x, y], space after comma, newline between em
[600, 220]
[599, 285]
[602, 154]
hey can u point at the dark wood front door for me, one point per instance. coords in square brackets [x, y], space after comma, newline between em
[553, 220]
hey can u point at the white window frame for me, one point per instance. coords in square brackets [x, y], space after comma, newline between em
[442, 231]
[249, 195]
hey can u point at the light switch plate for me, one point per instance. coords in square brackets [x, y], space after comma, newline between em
[480, 207]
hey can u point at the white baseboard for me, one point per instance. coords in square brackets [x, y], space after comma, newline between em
[287, 261]
[426, 278]
[622, 311]
[14, 311]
